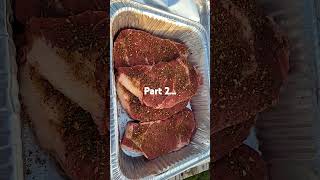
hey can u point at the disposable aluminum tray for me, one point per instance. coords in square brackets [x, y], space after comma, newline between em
[11, 162]
[128, 14]
[289, 133]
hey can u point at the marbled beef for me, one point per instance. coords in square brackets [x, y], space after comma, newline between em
[157, 138]
[135, 47]
[250, 62]
[72, 54]
[138, 111]
[177, 75]
[63, 129]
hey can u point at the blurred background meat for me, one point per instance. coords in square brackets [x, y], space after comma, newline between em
[71, 53]
[242, 163]
[63, 129]
[226, 140]
[63, 57]
[25, 10]
[250, 60]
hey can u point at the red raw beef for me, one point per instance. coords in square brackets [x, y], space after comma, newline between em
[157, 138]
[138, 111]
[178, 75]
[135, 47]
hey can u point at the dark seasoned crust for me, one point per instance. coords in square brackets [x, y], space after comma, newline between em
[81, 41]
[226, 140]
[243, 163]
[75, 141]
[135, 47]
[84, 33]
[177, 75]
[138, 111]
[24, 10]
[249, 62]
[157, 138]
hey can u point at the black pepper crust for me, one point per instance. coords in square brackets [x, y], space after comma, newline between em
[171, 74]
[86, 150]
[136, 47]
[242, 163]
[140, 112]
[227, 139]
[162, 137]
[81, 40]
[245, 81]
[24, 10]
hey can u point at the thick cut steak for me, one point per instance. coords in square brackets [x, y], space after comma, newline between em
[71, 53]
[138, 111]
[178, 76]
[157, 138]
[63, 129]
[249, 62]
[25, 10]
[135, 47]
[243, 163]
[227, 139]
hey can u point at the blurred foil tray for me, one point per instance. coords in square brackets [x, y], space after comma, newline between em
[289, 132]
[11, 162]
[129, 14]
[204, 13]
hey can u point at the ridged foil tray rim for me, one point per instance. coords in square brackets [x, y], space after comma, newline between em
[115, 171]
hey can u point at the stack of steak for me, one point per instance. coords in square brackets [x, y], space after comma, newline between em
[63, 82]
[143, 60]
[249, 62]
[63, 78]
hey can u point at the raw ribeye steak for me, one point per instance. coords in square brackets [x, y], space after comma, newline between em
[138, 111]
[177, 76]
[135, 47]
[157, 138]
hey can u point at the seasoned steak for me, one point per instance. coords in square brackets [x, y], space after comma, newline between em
[25, 10]
[250, 61]
[72, 54]
[63, 129]
[177, 76]
[227, 139]
[157, 138]
[135, 47]
[243, 163]
[138, 111]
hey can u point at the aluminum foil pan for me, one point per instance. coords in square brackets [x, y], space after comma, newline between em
[11, 162]
[204, 13]
[128, 14]
[290, 132]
